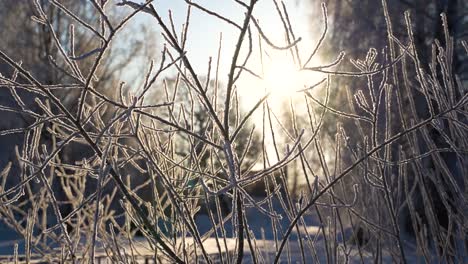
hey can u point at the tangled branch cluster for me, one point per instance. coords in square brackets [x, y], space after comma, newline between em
[152, 161]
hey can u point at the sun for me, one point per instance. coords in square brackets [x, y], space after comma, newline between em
[282, 78]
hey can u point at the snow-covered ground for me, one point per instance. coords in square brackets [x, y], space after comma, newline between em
[263, 240]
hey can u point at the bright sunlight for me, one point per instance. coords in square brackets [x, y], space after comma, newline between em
[282, 78]
[279, 76]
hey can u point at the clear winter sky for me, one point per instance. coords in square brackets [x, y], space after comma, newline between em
[204, 36]
[205, 29]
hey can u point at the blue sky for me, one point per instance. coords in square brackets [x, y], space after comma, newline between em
[204, 30]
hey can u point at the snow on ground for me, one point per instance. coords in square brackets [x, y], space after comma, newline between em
[262, 237]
